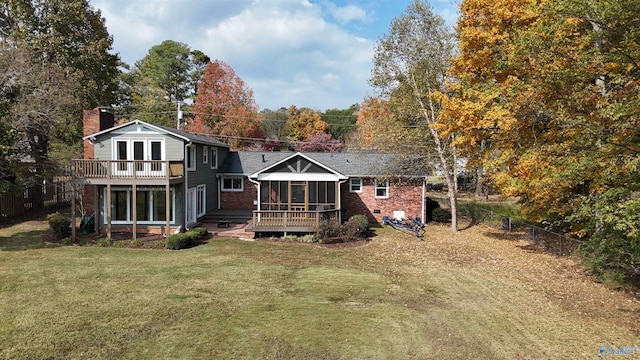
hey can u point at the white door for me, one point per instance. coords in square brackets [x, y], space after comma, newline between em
[191, 206]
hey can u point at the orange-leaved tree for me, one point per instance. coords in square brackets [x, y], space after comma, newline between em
[225, 106]
[304, 123]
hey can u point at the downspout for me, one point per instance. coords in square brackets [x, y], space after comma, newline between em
[219, 189]
[340, 198]
[257, 200]
[186, 184]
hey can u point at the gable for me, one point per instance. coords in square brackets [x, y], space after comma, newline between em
[298, 167]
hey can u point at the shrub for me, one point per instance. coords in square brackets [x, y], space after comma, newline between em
[136, 243]
[357, 226]
[329, 229]
[441, 215]
[309, 238]
[180, 241]
[60, 225]
[66, 241]
[185, 240]
[104, 242]
[200, 232]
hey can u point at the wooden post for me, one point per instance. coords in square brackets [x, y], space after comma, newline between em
[108, 204]
[167, 207]
[73, 212]
[134, 194]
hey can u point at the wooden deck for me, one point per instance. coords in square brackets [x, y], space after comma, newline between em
[116, 172]
[291, 221]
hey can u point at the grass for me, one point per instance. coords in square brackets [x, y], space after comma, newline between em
[470, 295]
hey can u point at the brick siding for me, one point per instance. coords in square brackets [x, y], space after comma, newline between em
[404, 195]
[240, 199]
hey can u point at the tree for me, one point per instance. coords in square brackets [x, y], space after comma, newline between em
[55, 60]
[41, 94]
[168, 74]
[273, 122]
[410, 65]
[303, 123]
[552, 90]
[374, 115]
[341, 122]
[225, 105]
[70, 34]
[319, 143]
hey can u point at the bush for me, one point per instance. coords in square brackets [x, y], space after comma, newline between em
[309, 238]
[66, 241]
[329, 229]
[180, 241]
[185, 240]
[104, 242]
[441, 215]
[200, 232]
[60, 225]
[357, 226]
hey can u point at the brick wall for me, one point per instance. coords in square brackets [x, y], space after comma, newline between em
[404, 195]
[240, 200]
[93, 121]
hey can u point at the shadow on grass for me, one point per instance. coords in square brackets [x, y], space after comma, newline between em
[25, 240]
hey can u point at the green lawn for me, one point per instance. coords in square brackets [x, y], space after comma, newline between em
[471, 295]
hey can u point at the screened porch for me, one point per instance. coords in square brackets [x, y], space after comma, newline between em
[296, 205]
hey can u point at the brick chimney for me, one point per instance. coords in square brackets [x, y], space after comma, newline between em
[93, 121]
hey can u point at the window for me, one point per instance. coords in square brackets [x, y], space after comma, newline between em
[382, 189]
[355, 185]
[201, 200]
[205, 155]
[232, 184]
[150, 205]
[214, 157]
[191, 157]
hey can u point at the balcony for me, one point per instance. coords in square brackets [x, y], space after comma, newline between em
[291, 221]
[151, 172]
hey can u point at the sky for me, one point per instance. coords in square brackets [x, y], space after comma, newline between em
[308, 53]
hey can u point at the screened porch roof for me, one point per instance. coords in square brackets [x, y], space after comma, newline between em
[297, 167]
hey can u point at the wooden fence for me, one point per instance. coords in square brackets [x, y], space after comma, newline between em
[17, 203]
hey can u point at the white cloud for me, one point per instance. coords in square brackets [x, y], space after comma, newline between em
[291, 52]
[348, 13]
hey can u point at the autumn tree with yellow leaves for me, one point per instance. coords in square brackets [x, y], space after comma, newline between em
[551, 89]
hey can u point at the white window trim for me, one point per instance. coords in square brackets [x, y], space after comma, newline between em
[192, 149]
[223, 188]
[381, 185]
[214, 157]
[205, 155]
[351, 185]
[130, 208]
[201, 193]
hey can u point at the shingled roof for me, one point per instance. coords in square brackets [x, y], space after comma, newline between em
[348, 164]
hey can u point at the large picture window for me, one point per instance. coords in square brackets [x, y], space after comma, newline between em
[150, 205]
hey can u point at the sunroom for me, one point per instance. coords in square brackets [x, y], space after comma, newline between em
[296, 194]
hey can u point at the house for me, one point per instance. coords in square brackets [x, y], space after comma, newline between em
[293, 192]
[141, 177]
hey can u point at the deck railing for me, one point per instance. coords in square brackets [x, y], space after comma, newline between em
[293, 219]
[127, 169]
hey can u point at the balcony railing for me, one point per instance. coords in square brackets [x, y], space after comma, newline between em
[127, 169]
[279, 219]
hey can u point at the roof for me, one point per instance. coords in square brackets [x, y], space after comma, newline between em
[349, 164]
[184, 135]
